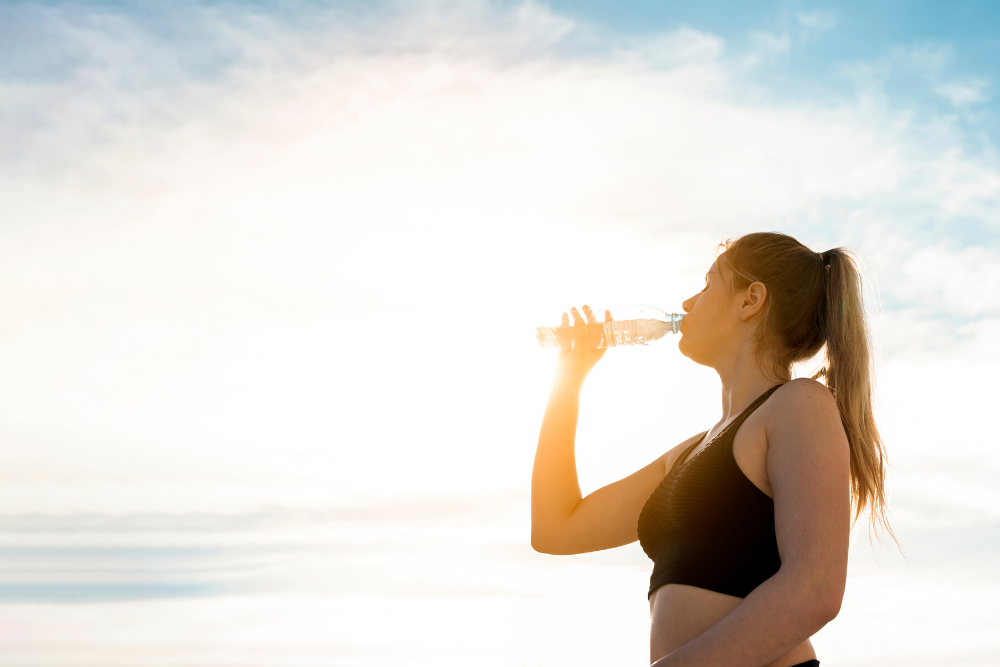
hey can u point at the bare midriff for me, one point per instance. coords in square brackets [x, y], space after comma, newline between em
[679, 613]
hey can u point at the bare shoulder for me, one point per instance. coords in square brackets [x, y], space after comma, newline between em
[804, 410]
[804, 397]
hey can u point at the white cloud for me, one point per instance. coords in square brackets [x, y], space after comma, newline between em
[964, 283]
[677, 48]
[818, 20]
[934, 64]
[765, 46]
[814, 23]
[202, 256]
[930, 59]
[317, 272]
[963, 93]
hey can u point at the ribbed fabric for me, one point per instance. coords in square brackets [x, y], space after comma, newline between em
[707, 525]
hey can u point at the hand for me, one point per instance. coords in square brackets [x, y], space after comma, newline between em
[574, 364]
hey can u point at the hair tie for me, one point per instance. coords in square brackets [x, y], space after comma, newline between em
[825, 256]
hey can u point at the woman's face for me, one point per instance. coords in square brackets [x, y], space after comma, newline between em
[712, 318]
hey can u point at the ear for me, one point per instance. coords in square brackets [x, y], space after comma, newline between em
[752, 300]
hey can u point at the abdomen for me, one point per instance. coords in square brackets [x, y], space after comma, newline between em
[680, 613]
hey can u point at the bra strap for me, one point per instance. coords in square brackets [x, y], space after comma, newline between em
[733, 426]
[736, 423]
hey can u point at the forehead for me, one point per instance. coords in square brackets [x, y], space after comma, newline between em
[717, 269]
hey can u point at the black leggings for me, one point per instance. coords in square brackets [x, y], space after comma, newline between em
[808, 663]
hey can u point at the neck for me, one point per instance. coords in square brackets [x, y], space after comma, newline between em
[743, 380]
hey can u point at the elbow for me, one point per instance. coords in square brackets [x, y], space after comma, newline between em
[813, 615]
[539, 547]
[830, 608]
[824, 604]
[537, 543]
[546, 544]
[832, 595]
[541, 544]
[817, 600]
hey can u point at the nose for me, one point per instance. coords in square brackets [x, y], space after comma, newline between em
[689, 304]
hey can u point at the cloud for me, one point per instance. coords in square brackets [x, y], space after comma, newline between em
[295, 262]
[963, 93]
[917, 70]
[766, 46]
[424, 509]
[88, 593]
[814, 23]
[183, 268]
[964, 283]
[677, 48]
[819, 20]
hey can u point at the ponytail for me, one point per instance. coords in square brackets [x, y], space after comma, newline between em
[848, 376]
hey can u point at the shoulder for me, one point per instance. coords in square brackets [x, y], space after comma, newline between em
[804, 396]
[804, 411]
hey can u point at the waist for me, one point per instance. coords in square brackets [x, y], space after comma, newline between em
[679, 613]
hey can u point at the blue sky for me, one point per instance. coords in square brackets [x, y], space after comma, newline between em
[842, 49]
[271, 274]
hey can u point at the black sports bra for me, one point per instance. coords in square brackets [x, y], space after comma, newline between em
[707, 525]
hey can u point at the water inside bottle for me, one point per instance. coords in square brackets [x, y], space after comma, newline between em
[640, 331]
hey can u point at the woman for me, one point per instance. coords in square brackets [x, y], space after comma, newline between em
[747, 524]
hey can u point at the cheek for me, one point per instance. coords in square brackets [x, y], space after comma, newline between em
[705, 304]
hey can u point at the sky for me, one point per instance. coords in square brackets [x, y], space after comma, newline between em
[269, 275]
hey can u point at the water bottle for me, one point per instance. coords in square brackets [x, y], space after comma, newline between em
[638, 325]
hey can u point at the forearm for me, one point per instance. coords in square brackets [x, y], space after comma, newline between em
[555, 489]
[773, 619]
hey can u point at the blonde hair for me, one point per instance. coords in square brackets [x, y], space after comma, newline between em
[814, 299]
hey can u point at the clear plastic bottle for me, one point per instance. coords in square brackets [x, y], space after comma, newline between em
[634, 325]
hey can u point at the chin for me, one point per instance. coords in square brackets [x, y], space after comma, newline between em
[691, 352]
[684, 348]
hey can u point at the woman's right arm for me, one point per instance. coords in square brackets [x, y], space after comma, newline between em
[562, 520]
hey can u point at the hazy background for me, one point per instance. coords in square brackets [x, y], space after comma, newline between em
[269, 275]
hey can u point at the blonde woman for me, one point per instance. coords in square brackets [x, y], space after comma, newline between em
[747, 523]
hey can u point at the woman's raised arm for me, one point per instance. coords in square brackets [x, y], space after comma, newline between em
[562, 520]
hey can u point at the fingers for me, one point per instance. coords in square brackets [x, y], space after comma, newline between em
[583, 342]
[580, 333]
[565, 337]
[596, 333]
